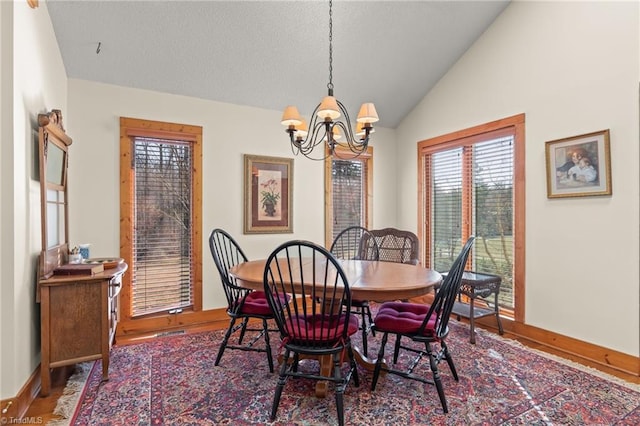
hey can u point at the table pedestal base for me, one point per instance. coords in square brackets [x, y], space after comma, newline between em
[326, 368]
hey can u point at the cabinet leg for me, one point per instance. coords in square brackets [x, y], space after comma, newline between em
[45, 380]
[105, 368]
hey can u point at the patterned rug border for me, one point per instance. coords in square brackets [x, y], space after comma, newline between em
[562, 360]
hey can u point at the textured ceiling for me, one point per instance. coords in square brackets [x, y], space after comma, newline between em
[270, 54]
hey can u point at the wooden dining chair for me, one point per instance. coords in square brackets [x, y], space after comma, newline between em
[308, 272]
[242, 304]
[395, 245]
[423, 324]
[357, 243]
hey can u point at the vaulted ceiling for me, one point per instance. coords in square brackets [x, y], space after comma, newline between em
[270, 54]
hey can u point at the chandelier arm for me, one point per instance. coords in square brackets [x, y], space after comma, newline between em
[313, 139]
[346, 127]
[320, 133]
[295, 144]
[356, 146]
[309, 137]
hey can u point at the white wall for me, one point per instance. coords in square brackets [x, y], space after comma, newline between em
[32, 64]
[572, 68]
[229, 131]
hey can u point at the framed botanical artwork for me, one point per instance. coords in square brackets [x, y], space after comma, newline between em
[268, 191]
[579, 166]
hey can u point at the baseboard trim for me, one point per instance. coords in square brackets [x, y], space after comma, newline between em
[575, 348]
[168, 323]
[17, 406]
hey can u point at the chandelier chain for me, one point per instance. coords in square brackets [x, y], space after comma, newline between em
[330, 84]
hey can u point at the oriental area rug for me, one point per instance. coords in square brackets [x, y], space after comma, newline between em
[172, 380]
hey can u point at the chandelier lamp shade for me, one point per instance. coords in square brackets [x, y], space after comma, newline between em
[330, 125]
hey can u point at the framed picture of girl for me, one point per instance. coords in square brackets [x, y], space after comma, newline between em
[579, 166]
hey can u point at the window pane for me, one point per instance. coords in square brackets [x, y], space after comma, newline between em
[493, 212]
[446, 207]
[162, 276]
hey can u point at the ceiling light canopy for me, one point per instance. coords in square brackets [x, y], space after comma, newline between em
[330, 122]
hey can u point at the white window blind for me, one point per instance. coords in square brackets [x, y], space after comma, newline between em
[349, 187]
[446, 205]
[162, 273]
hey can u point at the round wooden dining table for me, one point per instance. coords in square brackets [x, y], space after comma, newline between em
[368, 280]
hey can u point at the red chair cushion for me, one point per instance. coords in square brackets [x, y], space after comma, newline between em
[404, 318]
[256, 304]
[320, 328]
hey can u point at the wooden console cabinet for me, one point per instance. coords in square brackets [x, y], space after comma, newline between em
[79, 315]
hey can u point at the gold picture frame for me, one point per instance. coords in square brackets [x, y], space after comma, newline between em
[268, 192]
[579, 166]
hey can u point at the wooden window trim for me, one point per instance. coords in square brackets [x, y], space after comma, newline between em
[130, 128]
[514, 124]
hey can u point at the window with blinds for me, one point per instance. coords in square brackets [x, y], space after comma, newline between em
[347, 178]
[493, 212]
[348, 190]
[470, 191]
[162, 274]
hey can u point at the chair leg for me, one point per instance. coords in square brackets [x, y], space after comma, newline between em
[436, 377]
[364, 330]
[373, 332]
[378, 367]
[225, 340]
[265, 329]
[353, 367]
[396, 350]
[245, 320]
[295, 362]
[282, 380]
[449, 358]
[340, 385]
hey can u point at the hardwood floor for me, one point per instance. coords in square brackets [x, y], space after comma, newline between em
[41, 410]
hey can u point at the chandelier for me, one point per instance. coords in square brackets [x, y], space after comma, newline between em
[330, 121]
